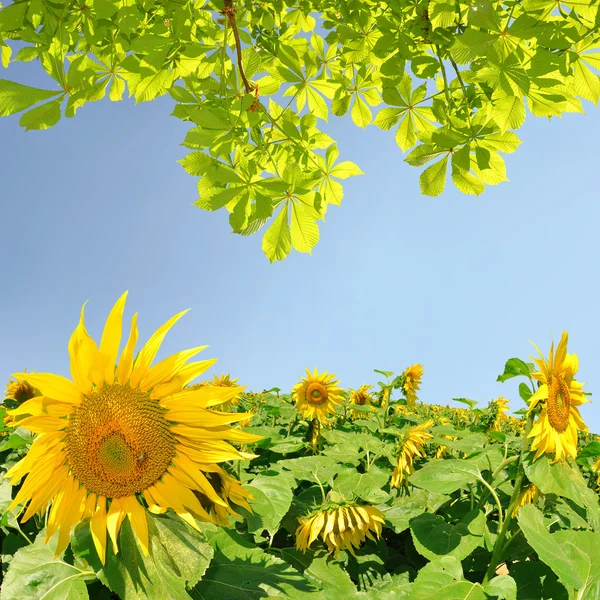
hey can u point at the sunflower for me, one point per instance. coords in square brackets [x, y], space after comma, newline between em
[316, 396]
[412, 381]
[528, 495]
[559, 395]
[498, 407]
[343, 527]
[360, 397]
[20, 390]
[118, 439]
[224, 380]
[412, 447]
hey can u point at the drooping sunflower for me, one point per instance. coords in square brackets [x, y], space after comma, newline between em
[413, 376]
[317, 395]
[343, 527]
[360, 397]
[528, 495]
[412, 447]
[499, 407]
[559, 395]
[120, 438]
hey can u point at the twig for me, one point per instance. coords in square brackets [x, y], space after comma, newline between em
[229, 11]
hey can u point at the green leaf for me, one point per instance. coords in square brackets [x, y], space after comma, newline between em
[445, 476]
[34, 574]
[42, 117]
[312, 468]
[345, 169]
[442, 13]
[277, 240]
[386, 118]
[536, 581]
[433, 178]
[514, 367]
[406, 135]
[242, 571]
[304, 230]
[502, 587]
[573, 555]
[466, 182]
[442, 580]
[196, 163]
[567, 481]
[591, 450]
[434, 537]
[405, 508]
[272, 499]
[178, 557]
[366, 486]
[15, 97]
[509, 112]
[320, 570]
[361, 113]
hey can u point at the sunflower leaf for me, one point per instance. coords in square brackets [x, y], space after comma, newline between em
[435, 538]
[564, 480]
[272, 499]
[242, 571]
[34, 574]
[573, 555]
[178, 557]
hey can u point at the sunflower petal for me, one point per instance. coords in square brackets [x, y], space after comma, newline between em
[137, 517]
[126, 360]
[54, 386]
[98, 528]
[111, 339]
[142, 364]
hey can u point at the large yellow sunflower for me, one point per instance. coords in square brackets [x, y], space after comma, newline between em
[559, 395]
[118, 439]
[412, 381]
[317, 395]
[412, 448]
[342, 527]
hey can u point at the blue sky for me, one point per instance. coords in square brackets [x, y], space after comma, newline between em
[98, 205]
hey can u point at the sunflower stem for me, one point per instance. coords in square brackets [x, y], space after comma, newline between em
[499, 545]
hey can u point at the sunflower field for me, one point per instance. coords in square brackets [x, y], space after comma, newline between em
[132, 481]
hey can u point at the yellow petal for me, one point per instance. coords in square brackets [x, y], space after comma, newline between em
[168, 368]
[114, 519]
[184, 464]
[84, 358]
[42, 424]
[111, 339]
[192, 416]
[98, 528]
[137, 518]
[126, 360]
[187, 373]
[54, 386]
[204, 397]
[42, 405]
[150, 349]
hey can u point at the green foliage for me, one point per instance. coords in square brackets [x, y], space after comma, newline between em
[257, 82]
[452, 522]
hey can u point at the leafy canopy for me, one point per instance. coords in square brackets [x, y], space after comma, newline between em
[256, 80]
